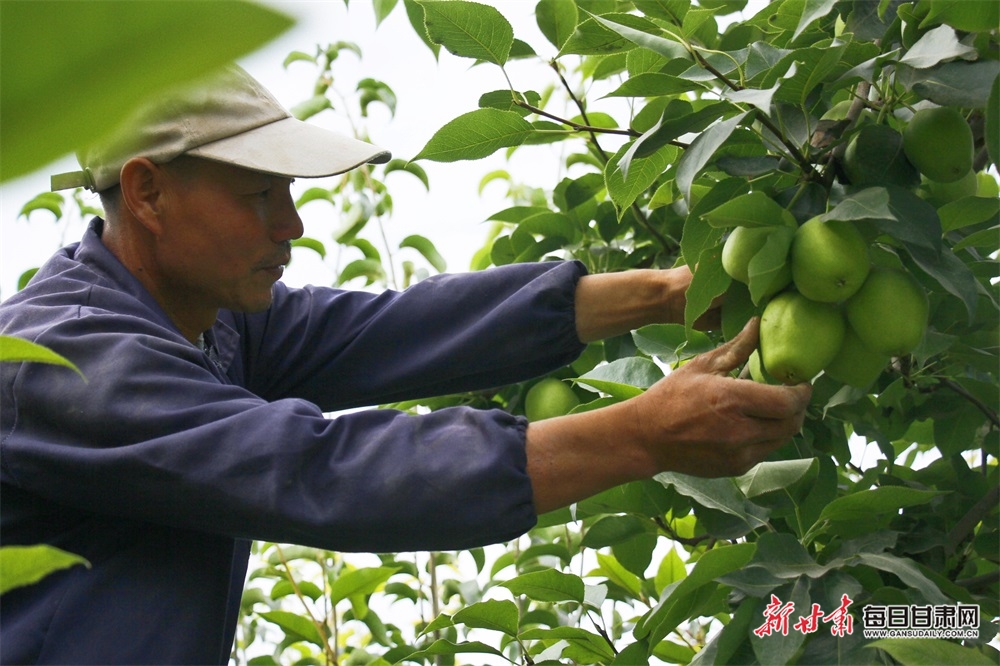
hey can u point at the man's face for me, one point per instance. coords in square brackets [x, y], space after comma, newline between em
[225, 236]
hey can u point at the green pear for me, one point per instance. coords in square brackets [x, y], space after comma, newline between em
[742, 246]
[829, 260]
[549, 398]
[757, 372]
[889, 312]
[939, 143]
[854, 363]
[799, 337]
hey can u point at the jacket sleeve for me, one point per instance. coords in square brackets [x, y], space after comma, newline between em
[154, 435]
[446, 334]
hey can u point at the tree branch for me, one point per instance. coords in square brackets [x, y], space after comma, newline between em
[979, 582]
[980, 405]
[973, 517]
[793, 150]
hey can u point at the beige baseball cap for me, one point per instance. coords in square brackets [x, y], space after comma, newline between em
[228, 117]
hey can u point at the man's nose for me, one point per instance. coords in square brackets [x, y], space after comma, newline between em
[286, 224]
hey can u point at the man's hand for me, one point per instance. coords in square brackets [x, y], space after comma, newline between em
[698, 420]
[701, 421]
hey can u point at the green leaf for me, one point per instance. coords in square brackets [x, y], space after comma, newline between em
[930, 652]
[702, 150]
[298, 56]
[718, 494]
[373, 90]
[670, 611]
[284, 587]
[410, 168]
[967, 211]
[26, 565]
[768, 477]
[634, 371]
[50, 201]
[866, 503]
[906, 571]
[959, 83]
[951, 273]
[669, 343]
[611, 530]
[770, 262]
[370, 269]
[296, 627]
[60, 48]
[469, 29]
[583, 647]
[310, 107]
[367, 248]
[496, 615]
[475, 135]
[551, 225]
[443, 647]
[679, 118]
[557, 20]
[626, 181]
[868, 204]
[415, 14]
[935, 46]
[655, 84]
[668, 48]
[709, 282]
[812, 10]
[314, 194]
[16, 350]
[755, 209]
[592, 38]
[24, 278]
[613, 570]
[382, 10]
[311, 243]
[359, 581]
[671, 570]
[427, 249]
[547, 585]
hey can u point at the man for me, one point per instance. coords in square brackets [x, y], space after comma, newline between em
[200, 425]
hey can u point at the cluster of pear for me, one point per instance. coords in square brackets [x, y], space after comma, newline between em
[933, 155]
[831, 311]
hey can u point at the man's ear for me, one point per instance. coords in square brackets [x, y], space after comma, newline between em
[142, 184]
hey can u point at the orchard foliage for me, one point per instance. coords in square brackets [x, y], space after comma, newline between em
[678, 122]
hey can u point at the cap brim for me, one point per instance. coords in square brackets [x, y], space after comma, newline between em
[292, 148]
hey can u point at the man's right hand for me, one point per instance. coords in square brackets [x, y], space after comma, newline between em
[701, 421]
[698, 420]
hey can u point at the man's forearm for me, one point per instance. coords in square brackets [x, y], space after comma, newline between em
[574, 457]
[609, 304]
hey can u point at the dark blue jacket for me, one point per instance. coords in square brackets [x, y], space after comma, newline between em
[168, 460]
